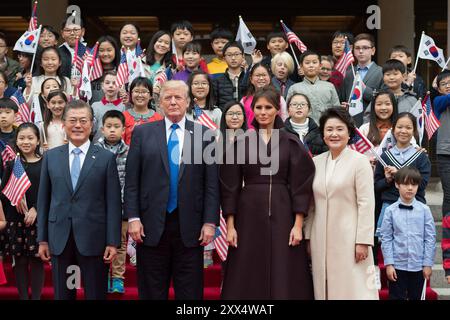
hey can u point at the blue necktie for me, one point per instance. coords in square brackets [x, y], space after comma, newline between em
[76, 167]
[173, 151]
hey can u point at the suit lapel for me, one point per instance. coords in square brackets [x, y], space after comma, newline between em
[369, 73]
[188, 143]
[162, 141]
[66, 166]
[87, 164]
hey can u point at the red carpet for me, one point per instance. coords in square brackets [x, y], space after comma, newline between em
[212, 281]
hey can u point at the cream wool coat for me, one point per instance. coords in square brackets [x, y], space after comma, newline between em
[341, 217]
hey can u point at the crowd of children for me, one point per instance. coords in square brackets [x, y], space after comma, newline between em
[223, 90]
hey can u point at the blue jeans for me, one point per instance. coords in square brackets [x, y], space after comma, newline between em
[443, 164]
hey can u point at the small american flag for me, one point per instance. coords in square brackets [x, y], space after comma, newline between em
[431, 121]
[18, 183]
[293, 38]
[360, 142]
[33, 20]
[80, 55]
[7, 152]
[203, 118]
[24, 114]
[345, 60]
[139, 52]
[122, 70]
[161, 77]
[97, 69]
[220, 242]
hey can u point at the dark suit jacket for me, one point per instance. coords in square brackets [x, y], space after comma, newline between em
[147, 183]
[66, 61]
[373, 80]
[92, 210]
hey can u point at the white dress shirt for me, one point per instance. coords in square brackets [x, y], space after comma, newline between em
[179, 131]
[84, 149]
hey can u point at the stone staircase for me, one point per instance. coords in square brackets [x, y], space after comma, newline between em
[434, 200]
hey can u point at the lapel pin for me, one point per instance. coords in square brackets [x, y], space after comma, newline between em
[191, 132]
[93, 157]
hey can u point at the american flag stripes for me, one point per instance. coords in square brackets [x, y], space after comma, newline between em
[345, 60]
[7, 152]
[122, 70]
[24, 114]
[80, 55]
[18, 183]
[203, 118]
[431, 121]
[360, 142]
[220, 242]
[293, 38]
[33, 19]
[97, 69]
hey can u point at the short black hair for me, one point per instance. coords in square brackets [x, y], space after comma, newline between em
[441, 76]
[113, 114]
[7, 103]
[394, 65]
[52, 30]
[3, 37]
[341, 114]
[63, 24]
[233, 44]
[221, 33]
[343, 34]
[276, 34]
[401, 48]
[183, 24]
[193, 46]
[308, 53]
[408, 175]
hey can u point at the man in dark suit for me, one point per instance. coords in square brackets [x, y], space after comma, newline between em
[370, 72]
[79, 205]
[171, 199]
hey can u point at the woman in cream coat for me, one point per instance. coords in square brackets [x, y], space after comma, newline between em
[340, 225]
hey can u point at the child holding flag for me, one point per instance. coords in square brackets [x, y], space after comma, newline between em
[19, 186]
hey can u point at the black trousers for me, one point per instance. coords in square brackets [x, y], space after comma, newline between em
[94, 273]
[408, 286]
[156, 266]
[443, 162]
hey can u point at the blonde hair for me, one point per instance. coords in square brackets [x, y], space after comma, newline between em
[285, 58]
[175, 84]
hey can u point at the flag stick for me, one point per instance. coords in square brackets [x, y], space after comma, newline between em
[41, 124]
[34, 54]
[418, 50]
[446, 64]
[290, 44]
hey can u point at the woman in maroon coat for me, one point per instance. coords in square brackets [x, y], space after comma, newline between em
[265, 204]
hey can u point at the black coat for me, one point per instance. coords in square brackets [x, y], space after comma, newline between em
[66, 61]
[313, 140]
[224, 89]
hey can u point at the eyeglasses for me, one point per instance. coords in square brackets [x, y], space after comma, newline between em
[301, 105]
[340, 43]
[365, 48]
[140, 93]
[74, 30]
[233, 55]
[234, 114]
[200, 84]
[325, 69]
[2, 82]
[262, 75]
[83, 121]
[444, 84]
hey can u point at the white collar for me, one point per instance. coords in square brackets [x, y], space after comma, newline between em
[181, 123]
[84, 147]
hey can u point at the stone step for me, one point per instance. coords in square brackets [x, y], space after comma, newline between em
[438, 231]
[443, 293]
[438, 255]
[438, 279]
